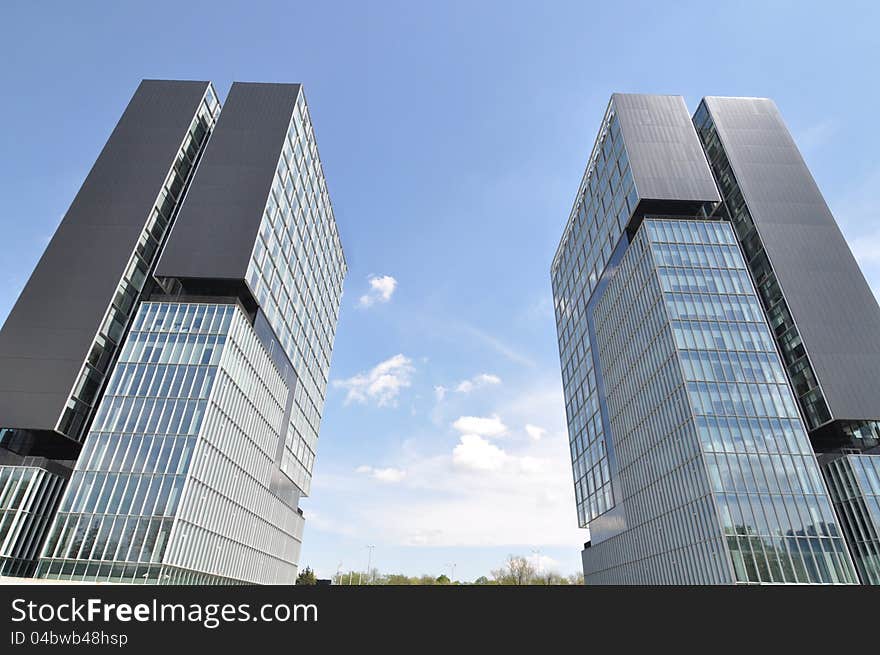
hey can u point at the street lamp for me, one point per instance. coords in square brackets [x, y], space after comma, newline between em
[369, 563]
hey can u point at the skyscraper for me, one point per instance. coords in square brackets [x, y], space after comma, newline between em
[691, 456]
[59, 342]
[202, 440]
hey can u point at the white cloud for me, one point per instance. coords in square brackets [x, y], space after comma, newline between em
[381, 384]
[389, 474]
[544, 563]
[381, 289]
[490, 426]
[476, 382]
[440, 392]
[471, 492]
[535, 432]
[474, 452]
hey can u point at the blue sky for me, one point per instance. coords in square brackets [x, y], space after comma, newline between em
[453, 137]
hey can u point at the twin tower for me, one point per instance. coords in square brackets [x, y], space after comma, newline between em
[162, 375]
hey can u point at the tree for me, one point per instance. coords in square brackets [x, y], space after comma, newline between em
[551, 578]
[394, 579]
[517, 570]
[443, 579]
[482, 580]
[306, 577]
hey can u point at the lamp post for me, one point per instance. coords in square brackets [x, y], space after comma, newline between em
[369, 563]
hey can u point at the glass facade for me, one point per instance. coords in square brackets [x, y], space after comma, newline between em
[85, 393]
[854, 481]
[669, 533]
[603, 206]
[296, 273]
[28, 496]
[173, 484]
[717, 481]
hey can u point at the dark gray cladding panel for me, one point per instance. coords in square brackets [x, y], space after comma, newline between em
[215, 230]
[664, 151]
[835, 311]
[47, 334]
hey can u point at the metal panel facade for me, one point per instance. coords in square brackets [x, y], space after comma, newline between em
[215, 231]
[48, 333]
[664, 152]
[830, 301]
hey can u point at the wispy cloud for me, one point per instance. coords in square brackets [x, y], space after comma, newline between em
[477, 382]
[468, 386]
[535, 432]
[381, 384]
[497, 345]
[381, 289]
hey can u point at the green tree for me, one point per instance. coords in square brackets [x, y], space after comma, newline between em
[443, 579]
[306, 577]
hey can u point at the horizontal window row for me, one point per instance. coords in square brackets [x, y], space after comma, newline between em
[764, 474]
[149, 415]
[171, 348]
[704, 335]
[162, 380]
[726, 399]
[696, 232]
[139, 453]
[123, 493]
[699, 256]
[122, 538]
[705, 307]
[183, 317]
[731, 366]
[752, 435]
[704, 280]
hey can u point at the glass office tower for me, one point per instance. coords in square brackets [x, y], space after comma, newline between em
[202, 439]
[205, 439]
[59, 342]
[691, 461]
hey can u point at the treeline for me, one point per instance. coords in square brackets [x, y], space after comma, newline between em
[517, 570]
